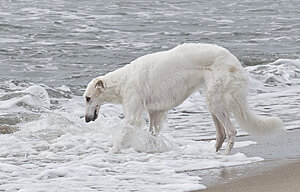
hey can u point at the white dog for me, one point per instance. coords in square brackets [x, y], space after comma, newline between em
[161, 81]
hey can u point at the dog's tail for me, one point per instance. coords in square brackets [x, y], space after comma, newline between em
[250, 122]
[256, 125]
[235, 96]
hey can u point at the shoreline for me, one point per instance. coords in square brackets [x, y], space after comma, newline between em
[279, 171]
[265, 178]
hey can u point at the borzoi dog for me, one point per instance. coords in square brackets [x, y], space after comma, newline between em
[160, 81]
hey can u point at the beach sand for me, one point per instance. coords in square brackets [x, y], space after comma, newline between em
[283, 178]
[6, 129]
[279, 172]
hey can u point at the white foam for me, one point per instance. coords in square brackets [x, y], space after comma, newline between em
[280, 72]
[61, 150]
[33, 97]
[64, 88]
[40, 95]
[10, 40]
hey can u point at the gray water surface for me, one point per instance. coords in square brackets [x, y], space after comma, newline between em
[69, 42]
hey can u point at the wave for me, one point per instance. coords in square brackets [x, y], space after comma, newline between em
[22, 106]
[283, 72]
[33, 98]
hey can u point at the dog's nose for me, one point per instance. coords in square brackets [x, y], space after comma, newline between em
[87, 119]
[91, 118]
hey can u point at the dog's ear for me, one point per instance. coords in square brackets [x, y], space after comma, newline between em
[99, 84]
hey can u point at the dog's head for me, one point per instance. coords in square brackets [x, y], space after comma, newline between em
[93, 99]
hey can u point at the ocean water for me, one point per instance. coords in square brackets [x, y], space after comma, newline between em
[50, 50]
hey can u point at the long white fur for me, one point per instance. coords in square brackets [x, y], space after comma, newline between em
[160, 81]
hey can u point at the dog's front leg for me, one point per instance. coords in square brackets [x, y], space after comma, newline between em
[151, 124]
[119, 142]
[156, 121]
[133, 121]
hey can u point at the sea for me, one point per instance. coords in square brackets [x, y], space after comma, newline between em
[50, 50]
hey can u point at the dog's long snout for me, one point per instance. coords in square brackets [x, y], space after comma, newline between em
[91, 118]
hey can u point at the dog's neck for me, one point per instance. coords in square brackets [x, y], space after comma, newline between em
[114, 82]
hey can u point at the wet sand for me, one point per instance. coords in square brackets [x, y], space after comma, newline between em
[280, 170]
[6, 129]
[285, 177]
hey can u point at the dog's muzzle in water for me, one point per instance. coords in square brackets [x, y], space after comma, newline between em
[91, 118]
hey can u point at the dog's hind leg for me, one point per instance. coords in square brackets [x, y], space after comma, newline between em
[220, 132]
[223, 117]
[156, 121]
[215, 102]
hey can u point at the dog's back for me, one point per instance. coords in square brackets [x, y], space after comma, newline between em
[165, 79]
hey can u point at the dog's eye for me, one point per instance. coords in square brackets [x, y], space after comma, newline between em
[87, 99]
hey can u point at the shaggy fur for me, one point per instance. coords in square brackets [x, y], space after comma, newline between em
[161, 81]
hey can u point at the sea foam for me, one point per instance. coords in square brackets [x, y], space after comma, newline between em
[58, 151]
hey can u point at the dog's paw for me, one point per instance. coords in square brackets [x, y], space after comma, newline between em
[114, 150]
[153, 133]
